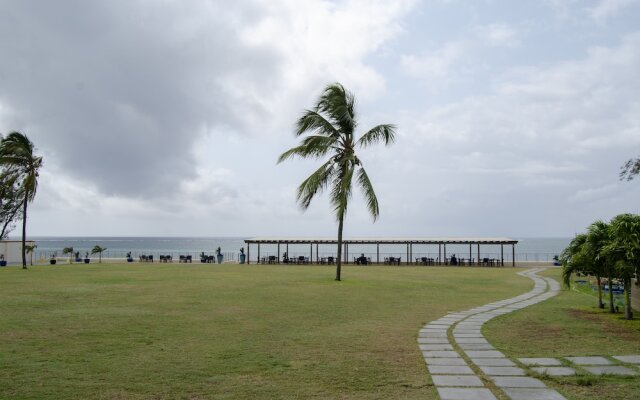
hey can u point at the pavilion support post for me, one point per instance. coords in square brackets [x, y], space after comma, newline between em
[317, 255]
[278, 260]
[445, 252]
[248, 253]
[502, 255]
[378, 253]
[311, 254]
[407, 253]
[258, 253]
[513, 255]
[287, 251]
[469, 253]
[439, 253]
[411, 253]
[478, 253]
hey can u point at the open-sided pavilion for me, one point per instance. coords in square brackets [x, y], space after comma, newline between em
[474, 243]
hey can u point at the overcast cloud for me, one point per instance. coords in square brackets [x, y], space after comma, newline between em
[166, 118]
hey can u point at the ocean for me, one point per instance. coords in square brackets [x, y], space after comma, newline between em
[527, 249]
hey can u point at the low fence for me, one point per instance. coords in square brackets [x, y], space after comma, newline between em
[109, 255]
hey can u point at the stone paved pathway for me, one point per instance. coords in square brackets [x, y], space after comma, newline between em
[462, 362]
[452, 359]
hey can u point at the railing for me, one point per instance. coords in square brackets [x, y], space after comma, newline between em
[109, 255]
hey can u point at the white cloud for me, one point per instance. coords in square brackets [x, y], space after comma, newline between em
[498, 35]
[437, 64]
[607, 9]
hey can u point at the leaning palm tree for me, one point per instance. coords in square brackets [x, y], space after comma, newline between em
[99, 250]
[578, 258]
[598, 238]
[625, 251]
[18, 158]
[330, 127]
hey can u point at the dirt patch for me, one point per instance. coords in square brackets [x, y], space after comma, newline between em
[604, 322]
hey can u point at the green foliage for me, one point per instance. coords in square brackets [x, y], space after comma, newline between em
[330, 127]
[11, 198]
[20, 164]
[630, 169]
[98, 250]
[607, 249]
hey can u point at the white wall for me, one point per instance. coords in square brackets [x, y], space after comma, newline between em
[12, 250]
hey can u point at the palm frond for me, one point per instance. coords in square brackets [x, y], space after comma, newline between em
[316, 182]
[311, 147]
[369, 193]
[342, 187]
[312, 121]
[339, 104]
[381, 133]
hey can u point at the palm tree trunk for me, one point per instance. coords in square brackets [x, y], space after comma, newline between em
[339, 260]
[628, 314]
[599, 281]
[611, 309]
[24, 229]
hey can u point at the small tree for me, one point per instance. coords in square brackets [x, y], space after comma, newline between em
[624, 249]
[578, 258]
[97, 249]
[68, 250]
[11, 197]
[30, 248]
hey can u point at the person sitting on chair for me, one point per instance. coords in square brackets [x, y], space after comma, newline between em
[362, 259]
[285, 258]
[454, 260]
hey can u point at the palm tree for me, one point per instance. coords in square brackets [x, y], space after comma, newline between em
[68, 250]
[577, 258]
[18, 158]
[30, 249]
[625, 251]
[99, 250]
[598, 237]
[331, 126]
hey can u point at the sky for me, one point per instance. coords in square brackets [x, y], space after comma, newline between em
[166, 118]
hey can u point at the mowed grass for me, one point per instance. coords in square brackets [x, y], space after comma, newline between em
[571, 324]
[132, 331]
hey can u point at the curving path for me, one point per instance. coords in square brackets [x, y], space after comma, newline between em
[465, 366]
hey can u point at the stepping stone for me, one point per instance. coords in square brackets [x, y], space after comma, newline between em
[539, 361]
[433, 340]
[465, 394]
[476, 346]
[589, 360]
[493, 362]
[517, 382]
[610, 370]
[457, 380]
[444, 361]
[533, 394]
[484, 354]
[472, 340]
[441, 354]
[555, 371]
[442, 346]
[449, 370]
[433, 334]
[503, 371]
[628, 359]
[467, 335]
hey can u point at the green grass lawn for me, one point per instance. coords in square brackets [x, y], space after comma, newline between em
[571, 324]
[140, 331]
[131, 331]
